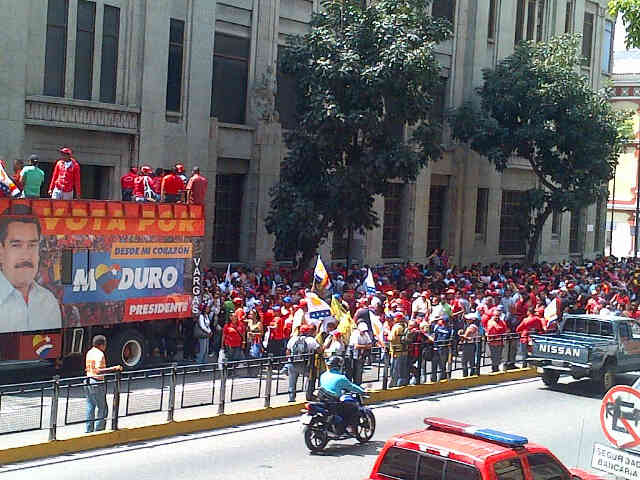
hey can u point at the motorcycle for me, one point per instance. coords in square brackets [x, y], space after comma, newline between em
[321, 423]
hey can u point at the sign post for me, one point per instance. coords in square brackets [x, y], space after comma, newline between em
[619, 419]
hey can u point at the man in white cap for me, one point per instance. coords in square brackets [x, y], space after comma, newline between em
[421, 306]
[360, 343]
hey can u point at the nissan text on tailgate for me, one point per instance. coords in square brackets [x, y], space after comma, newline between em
[588, 346]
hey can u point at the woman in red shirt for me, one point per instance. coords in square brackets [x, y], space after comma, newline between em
[232, 339]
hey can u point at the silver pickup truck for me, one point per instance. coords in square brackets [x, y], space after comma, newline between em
[588, 346]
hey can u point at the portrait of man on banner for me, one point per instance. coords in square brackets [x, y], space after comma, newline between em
[25, 304]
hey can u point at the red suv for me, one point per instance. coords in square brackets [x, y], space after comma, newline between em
[449, 450]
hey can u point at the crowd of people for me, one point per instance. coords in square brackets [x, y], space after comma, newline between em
[138, 184]
[428, 313]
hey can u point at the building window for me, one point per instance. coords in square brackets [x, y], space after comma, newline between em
[228, 212]
[392, 221]
[85, 37]
[286, 98]
[482, 208]
[568, 17]
[339, 246]
[444, 9]
[109, 68]
[437, 197]
[174, 69]
[55, 59]
[587, 38]
[607, 46]
[230, 76]
[575, 245]
[493, 11]
[529, 20]
[511, 242]
[556, 224]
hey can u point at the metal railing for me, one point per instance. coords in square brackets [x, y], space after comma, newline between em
[63, 402]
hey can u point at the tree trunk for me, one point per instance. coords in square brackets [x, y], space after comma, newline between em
[349, 235]
[534, 239]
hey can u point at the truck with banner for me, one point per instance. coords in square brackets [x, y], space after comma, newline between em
[70, 270]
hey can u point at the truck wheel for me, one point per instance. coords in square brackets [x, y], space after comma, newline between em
[608, 377]
[127, 349]
[550, 378]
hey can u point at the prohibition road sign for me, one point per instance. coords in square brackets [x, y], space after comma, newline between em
[620, 417]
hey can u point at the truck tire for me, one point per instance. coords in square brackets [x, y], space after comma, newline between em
[127, 348]
[550, 378]
[608, 377]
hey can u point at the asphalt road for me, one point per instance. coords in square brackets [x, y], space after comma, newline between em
[565, 420]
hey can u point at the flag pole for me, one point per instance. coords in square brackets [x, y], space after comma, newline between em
[313, 282]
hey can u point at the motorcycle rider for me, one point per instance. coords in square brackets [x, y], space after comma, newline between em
[333, 384]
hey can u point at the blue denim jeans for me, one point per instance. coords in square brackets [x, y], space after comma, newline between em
[399, 370]
[204, 350]
[96, 398]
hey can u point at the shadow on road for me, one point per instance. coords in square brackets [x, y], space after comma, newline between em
[589, 388]
[368, 449]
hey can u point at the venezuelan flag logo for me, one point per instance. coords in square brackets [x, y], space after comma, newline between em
[42, 345]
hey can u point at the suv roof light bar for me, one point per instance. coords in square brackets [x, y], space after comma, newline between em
[505, 439]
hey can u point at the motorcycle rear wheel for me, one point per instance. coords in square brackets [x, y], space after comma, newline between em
[316, 436]
[365, 427]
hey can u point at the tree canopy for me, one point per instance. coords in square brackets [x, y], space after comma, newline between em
[362, 72]
[630, 12]
[537, 105]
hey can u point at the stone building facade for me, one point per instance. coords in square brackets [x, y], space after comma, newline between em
[128, 82]
[623, 190]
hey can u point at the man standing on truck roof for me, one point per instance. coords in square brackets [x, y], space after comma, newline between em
[66, 177]
[25, 305]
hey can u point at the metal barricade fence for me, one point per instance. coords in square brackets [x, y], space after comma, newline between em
[24, 407]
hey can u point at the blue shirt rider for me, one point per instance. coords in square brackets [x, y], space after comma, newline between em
[335, 383]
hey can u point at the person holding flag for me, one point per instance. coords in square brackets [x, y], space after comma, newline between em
[8, 187]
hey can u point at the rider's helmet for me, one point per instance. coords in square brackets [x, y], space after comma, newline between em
[335, 362]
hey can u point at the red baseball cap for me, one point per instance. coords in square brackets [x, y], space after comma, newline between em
[66, 151]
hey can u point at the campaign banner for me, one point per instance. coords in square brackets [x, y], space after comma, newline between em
[99, 278]
[119, 226]
[157, 308]
[121, 250]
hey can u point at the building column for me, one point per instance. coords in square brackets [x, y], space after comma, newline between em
[14, 16]
[264, 170]
[421, 216]
[154, 84]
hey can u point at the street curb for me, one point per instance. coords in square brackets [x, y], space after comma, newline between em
[181, 427]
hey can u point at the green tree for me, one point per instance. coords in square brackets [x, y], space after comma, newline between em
[537, 105]
[630, 12]
[362, 72]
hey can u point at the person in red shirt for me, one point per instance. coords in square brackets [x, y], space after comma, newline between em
[17, 168]
[66, 177]
[532, 323]
[172, 187]
[232, 339]
[496, 328]
[276, 334]
[197, 187]
[142, 186]
[126, 184]
[156, 184]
